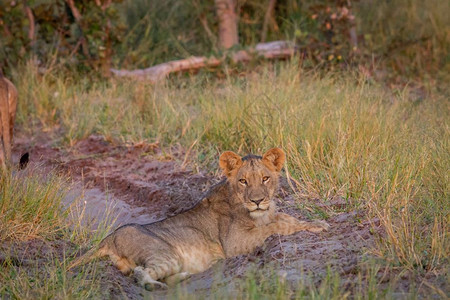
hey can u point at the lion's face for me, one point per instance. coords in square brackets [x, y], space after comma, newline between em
[254, 179]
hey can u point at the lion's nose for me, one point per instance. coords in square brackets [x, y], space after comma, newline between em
[257, 202]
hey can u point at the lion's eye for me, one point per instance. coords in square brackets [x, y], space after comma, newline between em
[243, 181]
[266, 178]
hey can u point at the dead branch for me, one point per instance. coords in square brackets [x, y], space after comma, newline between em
[272, 50]
[159, 72]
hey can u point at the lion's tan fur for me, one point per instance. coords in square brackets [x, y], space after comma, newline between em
[8, 105]
[235, 217]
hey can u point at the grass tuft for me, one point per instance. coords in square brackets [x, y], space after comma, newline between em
[40, 237]
[30, 206]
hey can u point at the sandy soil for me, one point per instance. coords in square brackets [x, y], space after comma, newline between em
[146, 185]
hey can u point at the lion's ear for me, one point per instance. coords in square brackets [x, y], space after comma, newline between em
[274, 158]
[229, 161]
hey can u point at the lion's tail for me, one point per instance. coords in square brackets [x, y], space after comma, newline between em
[91, 254]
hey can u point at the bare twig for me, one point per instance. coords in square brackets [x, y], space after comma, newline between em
[205, 25]
[103, 6]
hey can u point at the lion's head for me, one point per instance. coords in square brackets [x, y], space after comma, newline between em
[254, 179]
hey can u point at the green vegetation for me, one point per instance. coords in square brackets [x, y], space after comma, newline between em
[50, 281]
[377, 135]
[394, 37]
[30, 206]
[383, 150]
[32, 213]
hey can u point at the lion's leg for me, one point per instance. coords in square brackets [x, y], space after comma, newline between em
[314, 226]
[122, 264]
[7, 144]
[12, 113]
[146, 277]
[4, 113]
[2, 156]
[175, 278]
[157, 269]
[2, 149]
[286, 224]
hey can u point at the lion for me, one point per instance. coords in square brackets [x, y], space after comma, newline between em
[8, 106]
[234, 217]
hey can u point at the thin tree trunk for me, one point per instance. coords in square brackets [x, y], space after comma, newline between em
[267, 18]
[353, 38]
[76, 14]
[228, 23]
[31, 28]
[106, 59]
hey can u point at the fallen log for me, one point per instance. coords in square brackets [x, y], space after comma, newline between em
[272, 50]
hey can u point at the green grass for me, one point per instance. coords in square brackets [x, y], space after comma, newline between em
[406, 37]
[256, 284]
[48, 280]
[30, 206]
[343, 135]
[410, 37]
[382, 146]
[40, 237]
[384, 150]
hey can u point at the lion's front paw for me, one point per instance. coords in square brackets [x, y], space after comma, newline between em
[319, 226]
[151, 286]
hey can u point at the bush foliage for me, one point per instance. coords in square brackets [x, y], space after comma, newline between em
[58, 35]
[408, 36]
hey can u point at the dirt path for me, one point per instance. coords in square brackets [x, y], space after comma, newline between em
[147, 185]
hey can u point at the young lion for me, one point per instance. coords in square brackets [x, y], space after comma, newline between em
[235, 217]
[8, 105]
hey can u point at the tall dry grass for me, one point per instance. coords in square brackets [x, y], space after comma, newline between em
[345, 135]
